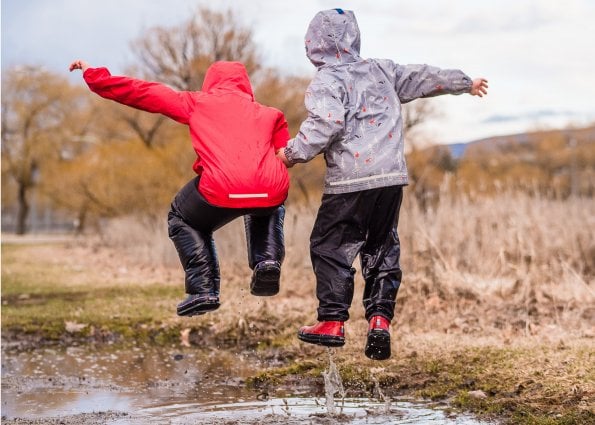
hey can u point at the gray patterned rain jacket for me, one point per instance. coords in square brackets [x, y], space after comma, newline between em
[354, 106]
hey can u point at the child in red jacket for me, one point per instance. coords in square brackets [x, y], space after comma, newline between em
[235, 140]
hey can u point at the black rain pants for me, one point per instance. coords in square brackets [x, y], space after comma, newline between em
[191, 223]
[349, 224]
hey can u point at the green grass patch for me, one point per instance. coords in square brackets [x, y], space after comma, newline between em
[52, 301]
[303, 368]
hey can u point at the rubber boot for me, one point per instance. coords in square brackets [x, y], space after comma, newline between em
[196, 304]
[378, 341]
[266, 250]
[329, 334]
[265, 278]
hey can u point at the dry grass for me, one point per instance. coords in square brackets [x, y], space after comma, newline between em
[520, 263]
[510, 265]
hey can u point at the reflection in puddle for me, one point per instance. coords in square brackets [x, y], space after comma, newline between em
[176, 385]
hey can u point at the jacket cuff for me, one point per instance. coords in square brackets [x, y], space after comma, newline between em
[464, 84]
[289, 154]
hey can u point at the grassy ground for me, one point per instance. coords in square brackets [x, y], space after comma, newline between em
[527, 360]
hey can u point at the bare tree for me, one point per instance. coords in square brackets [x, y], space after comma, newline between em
[180, 55]
[38, 110]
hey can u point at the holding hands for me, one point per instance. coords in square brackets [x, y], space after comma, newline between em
[280, 154]
[479, 87]
[78, 64]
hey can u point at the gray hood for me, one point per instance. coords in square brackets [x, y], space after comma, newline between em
[333, 38]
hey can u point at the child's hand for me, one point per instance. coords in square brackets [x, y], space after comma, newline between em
[480, 87]
[281, 155]
[78, 64]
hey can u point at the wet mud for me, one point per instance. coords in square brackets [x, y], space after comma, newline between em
[145, 385]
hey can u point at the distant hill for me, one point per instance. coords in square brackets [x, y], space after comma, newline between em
[458, 150]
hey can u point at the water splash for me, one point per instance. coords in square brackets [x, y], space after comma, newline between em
[386, 400]
[332, 385]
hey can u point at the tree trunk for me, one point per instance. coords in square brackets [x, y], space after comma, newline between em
[81, 221]
[22, 211]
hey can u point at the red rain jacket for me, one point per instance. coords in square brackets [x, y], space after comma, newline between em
[234, 137]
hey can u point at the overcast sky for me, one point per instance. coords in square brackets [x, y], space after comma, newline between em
[538, 55]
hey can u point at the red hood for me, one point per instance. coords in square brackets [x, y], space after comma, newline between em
[227, 77]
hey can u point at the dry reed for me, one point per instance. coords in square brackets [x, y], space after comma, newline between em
[511, 263]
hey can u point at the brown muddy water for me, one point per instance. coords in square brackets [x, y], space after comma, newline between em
[87, 385]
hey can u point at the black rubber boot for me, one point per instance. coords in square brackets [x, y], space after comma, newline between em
[378, 341]
[265, 278]
[196, 304]
[378, 345]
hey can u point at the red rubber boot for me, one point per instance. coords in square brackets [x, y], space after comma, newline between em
[329, 334]
[378, 342]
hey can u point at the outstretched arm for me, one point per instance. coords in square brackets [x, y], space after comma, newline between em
[139, 94]
[416, 81]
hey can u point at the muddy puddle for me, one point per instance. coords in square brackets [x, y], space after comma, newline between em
[86, 385]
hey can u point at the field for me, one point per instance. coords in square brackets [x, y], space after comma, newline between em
[495, 314]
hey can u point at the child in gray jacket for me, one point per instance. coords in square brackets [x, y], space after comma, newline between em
[354, 117]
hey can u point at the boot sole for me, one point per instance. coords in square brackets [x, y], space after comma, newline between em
[198, 307]
[265, 282]
[326, 340]
[378, 345]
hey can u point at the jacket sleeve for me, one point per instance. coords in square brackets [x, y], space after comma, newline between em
[280, 132]
[325, 123]
[415, 81]
[140, 94]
